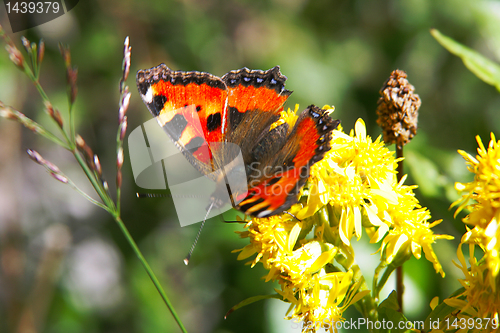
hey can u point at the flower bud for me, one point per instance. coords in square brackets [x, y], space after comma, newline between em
[54, 114]
[60, 177]
[41, 51]
[126, 58]
[119, 158]
[123, 129]
[58, 118]
[124, 103]
[97, 164]
[64, 49]
[52, 167]
[79, 141]
[86, 151]
[7, 113]
[26, 44]
[72, 74]
[15, 56]
[35, 156]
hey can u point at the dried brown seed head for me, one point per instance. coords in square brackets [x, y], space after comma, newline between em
[398, 109]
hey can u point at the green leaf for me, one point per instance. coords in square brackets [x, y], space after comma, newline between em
[426, 174]
[391, 302]
[440, 312]
[482, 67]
[251, 300]
[388, 311]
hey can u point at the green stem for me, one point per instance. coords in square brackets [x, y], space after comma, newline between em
[91, 177]
[89, 198]
[375, 290]
[119, 144]
[47, 134]
[387, 273]
[45, 98]
[118, 199]
[70, 145]
[35, 81]
[399, 270]
[71, 122]
[34, 126]
[367, 306]
[150, 272]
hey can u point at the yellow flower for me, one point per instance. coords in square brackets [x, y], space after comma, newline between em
[299, 266]
[411, 238]
[354, 187]
[264, 235]
[321, 304]
[479, 299]
[359, 178]
[484, 214]
[289, 117]
[347, 174]
[486, 167]
[481, 295]
[410, 230]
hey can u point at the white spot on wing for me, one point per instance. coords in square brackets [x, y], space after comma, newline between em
[264, 213]
[148, 96]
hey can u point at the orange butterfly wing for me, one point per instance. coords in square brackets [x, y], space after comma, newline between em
[190, 106]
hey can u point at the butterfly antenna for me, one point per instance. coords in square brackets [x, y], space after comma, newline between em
[295, 217]
[152, 195]
[165, 195]
[188, 257]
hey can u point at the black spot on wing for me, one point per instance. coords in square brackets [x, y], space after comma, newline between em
[194, 144]
[176, 126]
[214, 121]
[157, 104]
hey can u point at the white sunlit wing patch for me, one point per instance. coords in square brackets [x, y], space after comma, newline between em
[264, 213]
[223, 128]
[148, 96]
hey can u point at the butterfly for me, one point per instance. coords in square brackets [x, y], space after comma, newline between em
[213, 120]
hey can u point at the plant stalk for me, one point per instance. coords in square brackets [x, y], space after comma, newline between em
[148, 269]
[399, 270]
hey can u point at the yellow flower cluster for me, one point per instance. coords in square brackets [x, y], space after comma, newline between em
[308, 251]
[485, 212]
[481, 297]
[359, 181]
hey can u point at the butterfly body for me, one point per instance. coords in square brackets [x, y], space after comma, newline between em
[214, 120]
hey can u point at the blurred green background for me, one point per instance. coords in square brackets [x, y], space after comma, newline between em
[64, 265]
